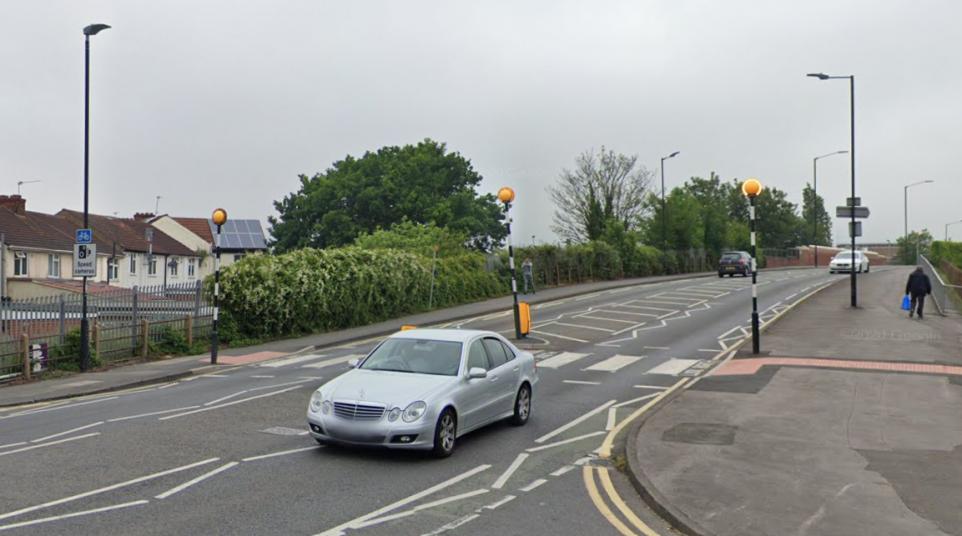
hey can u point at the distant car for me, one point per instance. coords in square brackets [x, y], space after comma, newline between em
[423, 389]
[842, 262]
[735, 262]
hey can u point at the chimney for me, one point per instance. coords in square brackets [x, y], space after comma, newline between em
[14, 202]
[143, 216]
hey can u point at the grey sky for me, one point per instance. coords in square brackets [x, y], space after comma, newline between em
[224, 103]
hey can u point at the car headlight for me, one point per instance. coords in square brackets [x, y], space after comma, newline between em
[326, 407]
[394, 414]
[414, 411]
[316, 400]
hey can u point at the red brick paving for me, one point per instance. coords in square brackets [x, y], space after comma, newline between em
[750, 366]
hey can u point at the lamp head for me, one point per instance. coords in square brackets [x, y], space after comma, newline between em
[219, 217]
[94, 29]
[820, 76]
[506, 195]
[751, 187]
[674, 154]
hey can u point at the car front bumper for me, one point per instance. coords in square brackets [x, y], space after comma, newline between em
[379, 433]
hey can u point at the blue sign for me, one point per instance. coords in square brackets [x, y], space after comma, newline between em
[85, 236]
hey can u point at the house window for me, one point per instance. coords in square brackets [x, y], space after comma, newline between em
[190, 268]
[113, 268]
[173, 267]
[53, 265]
[20, 264]
[151, 265]
[133, 263]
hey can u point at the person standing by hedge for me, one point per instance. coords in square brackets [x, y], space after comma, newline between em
[527, 270]
[918, 286]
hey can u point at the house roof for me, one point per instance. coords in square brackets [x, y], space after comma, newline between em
[198, 226]
[129, 234]
[39, 231]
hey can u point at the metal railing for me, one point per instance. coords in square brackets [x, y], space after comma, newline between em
[947, 297]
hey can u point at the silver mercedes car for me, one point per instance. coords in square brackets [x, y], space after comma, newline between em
[423, 389]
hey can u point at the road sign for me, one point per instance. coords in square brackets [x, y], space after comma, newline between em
[85, 260]
[857, 229]
[853, 201]
[85, 236]
[846, 212]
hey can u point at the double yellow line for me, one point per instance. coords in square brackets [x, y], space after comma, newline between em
[637, 526]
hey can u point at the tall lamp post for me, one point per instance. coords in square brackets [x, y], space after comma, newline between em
[506, 196]
[219, 217]
[947, 228]
[93, 29]
[815, 199]
[851, 89]
[905, 212]
[664, 207]
[751, 188]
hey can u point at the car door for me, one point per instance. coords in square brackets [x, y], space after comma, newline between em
[506, 369]
[477, 401]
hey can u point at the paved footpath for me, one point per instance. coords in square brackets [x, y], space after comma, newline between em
[848, 423]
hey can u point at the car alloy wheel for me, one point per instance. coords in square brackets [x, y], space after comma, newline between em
[522, 406]
[445, 434]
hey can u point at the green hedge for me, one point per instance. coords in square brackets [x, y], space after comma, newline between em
[950, 252]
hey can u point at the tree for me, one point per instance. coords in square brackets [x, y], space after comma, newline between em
[602, 186]
[776, 218]
[421, 238]
[912, 246]
[421, 183]
[711, 195]
[814, 205]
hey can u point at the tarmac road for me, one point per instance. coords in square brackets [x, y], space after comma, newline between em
[228, 453]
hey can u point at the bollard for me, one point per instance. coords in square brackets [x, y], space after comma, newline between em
[25, 347]
[145, 337]
[189, 329]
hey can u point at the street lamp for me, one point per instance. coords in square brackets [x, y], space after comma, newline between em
[664, 208]
[815, 199]
[851, 80]
[93, 29]
[947, 228]
[21, 183]
[506, 196]
[751, 188]
[219, 217]
[905, 212]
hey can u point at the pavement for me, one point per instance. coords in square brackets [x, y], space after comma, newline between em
[165, 370]
[848, 422]
[226, 451]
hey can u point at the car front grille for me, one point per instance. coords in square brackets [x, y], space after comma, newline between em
[358, 412]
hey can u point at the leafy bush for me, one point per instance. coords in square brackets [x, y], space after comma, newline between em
[172, 341]
[950, 252]
[416, 238]
[67, 355]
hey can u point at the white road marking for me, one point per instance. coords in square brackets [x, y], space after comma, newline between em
[534, 485]
[633, 400]
[50, 444]
[291, 360]
[13, 444]
[72, 430]
[657, 348]
[74, 514]
[223, 398]
[285, 384]
[555, 335]
[452, 525]
[209, 376]
[334, 361]
[615, 362]
[193, 481]
[106, 488]
[582, 326]
[563, 470]
[562, 429]
[631, 313]
[673, 367]
[581, 382]
[65, 406]
[565, 441]
[561, 359]
[168, 385]
[499, 483]
[612, 417]
[709, 350]
[151, 414]
[259, 376]
[224, 405]
[281, 453]
[502, 502]
[339, 530]
[659, 387]
[662, 309]
[421, 507]
[605, 319]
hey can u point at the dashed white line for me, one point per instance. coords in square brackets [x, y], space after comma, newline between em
[13, 444]
[281, 453]
[612, 417]
[563, 470]
[420, 507]
[633, 400]
[562, 429]
[555, 335]
[581, 382]
[659, 387]
[72, 430]
[502, 502]
[534, 485]
[151, 414]
[224, 405]
[452, 525]
[74, 514]
[500, 482]
[193, 481]
[50, 444]
[223, 398]
[565, 442]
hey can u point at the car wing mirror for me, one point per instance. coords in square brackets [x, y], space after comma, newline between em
[476, 373]
[354, 363]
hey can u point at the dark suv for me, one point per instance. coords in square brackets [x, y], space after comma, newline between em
[735, 262]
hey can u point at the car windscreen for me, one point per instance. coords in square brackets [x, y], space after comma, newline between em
[731, 257]
[847, 255]
[416, 356]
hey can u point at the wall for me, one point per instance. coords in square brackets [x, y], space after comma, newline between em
[806, 257]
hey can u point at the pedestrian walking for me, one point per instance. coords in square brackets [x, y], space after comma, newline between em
[527, 270]
[918, 286]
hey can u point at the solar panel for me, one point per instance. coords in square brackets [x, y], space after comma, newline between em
[241, 234]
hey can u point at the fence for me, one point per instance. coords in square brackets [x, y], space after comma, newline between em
[947, 296]
[41, 334]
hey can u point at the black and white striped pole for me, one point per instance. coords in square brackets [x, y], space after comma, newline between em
[751, 188]
[219, 218]
[506, 196]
